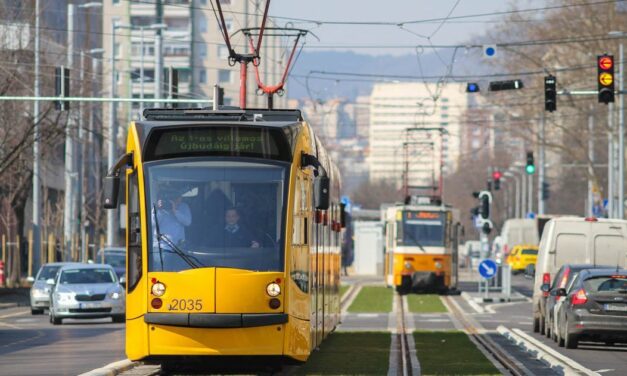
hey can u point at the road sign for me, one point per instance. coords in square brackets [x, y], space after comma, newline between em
[489, 50]
[487, 268]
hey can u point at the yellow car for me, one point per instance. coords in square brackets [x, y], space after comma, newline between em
[521, 256]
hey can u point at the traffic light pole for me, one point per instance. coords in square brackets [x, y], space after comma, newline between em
[541, 171]
[590, 208]
[621, 134]
[610, 161]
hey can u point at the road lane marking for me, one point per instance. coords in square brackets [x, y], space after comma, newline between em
[13, 314]
[9, 325]
[605, 370]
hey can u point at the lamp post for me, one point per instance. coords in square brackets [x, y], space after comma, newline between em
[156, 27]
[36, 185]
[517, 201]
[621, 127]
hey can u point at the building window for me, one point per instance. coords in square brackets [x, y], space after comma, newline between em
[117, 50]
[116, 2]
[177, 23]
[224, 76]
[226, 2]
[184, 75]
[149, 49]
[223, 52]
[202, 76]
[143, 20]
[176, 50]
[229, 24]
[202, 50]
[202, 24]
[227, 101]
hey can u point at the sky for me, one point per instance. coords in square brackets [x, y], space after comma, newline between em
[451, 32]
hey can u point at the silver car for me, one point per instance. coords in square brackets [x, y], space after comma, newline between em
[87, 291]
[40, 290]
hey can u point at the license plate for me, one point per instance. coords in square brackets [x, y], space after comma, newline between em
[88, 305]
[615, 307]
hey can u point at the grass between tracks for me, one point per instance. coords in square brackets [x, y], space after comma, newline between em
[425, 304]
[346, 353]
[372, 299]
[450, 353]
[343, 289]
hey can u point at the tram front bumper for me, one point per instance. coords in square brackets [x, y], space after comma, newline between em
[427, 281]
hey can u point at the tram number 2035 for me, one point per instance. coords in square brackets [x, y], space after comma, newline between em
[185, 305]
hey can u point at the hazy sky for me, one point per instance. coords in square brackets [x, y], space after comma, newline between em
[452, 32]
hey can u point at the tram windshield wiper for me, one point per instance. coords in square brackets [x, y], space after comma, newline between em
[416, 242]
[190, 260]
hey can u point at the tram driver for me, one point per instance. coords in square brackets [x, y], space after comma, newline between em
[234, 233]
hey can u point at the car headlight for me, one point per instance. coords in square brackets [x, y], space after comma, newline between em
[64, 296]
[40, 293]
[115, 295]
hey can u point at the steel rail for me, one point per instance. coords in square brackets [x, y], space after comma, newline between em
[405, 358]
[501, 356]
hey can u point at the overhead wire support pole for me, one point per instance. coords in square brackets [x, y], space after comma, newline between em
[36, 160]
[590, 206]
[541, 170]
[621, 134]
[610, 161]
[70, 170]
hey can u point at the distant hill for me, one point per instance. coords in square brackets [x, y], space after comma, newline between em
[405, 65]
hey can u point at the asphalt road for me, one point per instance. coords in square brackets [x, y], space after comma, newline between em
[30, 345]
[608, 360]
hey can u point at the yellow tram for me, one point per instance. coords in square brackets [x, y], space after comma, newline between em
[233, 236]
[421, 248]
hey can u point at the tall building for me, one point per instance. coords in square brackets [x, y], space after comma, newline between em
[192, 45]
[414, 126]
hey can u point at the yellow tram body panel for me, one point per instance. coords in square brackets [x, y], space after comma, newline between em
[309, 281]
[409, 263]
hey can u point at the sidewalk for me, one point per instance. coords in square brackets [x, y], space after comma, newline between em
[14, 297]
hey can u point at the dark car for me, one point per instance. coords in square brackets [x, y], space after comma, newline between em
[114, 256]
[595, 308]
[563, 279]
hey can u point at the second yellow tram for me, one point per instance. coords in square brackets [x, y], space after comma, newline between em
[233, 236]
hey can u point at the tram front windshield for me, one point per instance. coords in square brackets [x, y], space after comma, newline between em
[216, 213]
[422, 228]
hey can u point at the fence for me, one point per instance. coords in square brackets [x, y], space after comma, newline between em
[17, 254]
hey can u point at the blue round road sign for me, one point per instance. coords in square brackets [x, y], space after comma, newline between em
[487, 268]
[490, 51]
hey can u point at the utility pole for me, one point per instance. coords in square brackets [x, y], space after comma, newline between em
[141, 71]
[541, 170]
[621, 134]
[111, 222]
[610, 161]
[36, 168]
[70, 171]
[530, 193]
[590, 208]
[158, 54]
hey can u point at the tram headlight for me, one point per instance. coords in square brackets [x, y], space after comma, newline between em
[407, 265]
[438, 265]
[273, 289]
[158, 289]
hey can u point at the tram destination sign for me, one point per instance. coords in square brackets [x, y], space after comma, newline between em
[218, 141]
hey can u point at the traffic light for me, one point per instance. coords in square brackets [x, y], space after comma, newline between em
[605, 78]
[506, 85]
[486, 227]
[485, 199]
[530, 168]
[545, 191]
[496, 178]
[62, 87]
[550, 94]
[472, 87]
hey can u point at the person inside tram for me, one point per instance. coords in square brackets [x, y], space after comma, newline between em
[235, 233]
[173, 215]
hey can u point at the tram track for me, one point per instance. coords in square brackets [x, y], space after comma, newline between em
[510, 364]
[404, 360]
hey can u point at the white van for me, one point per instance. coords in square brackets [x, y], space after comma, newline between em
[517, 231]
[575, 240]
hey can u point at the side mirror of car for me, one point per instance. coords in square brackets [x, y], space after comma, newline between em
[545, 287]
[30, 279]
[561, 292]
[50, 282]
[123, 281]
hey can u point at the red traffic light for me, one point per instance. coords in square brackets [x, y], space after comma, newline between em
[496, 175]
[606, 62]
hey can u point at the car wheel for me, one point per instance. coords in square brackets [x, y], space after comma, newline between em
[571, 341]
[55, 320]
[536, 325]
[542, 325]
[36, 311]
[118, 318]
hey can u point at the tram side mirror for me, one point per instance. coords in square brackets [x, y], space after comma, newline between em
[321, 192]
[111, 192]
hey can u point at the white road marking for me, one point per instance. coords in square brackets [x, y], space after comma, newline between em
[26, 320]
[368, 315]
[9, 325]
[605, 370]
[14, 314]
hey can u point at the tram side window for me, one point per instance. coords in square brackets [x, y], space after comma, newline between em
[134, 271]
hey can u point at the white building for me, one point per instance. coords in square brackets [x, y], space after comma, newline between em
[413, 126]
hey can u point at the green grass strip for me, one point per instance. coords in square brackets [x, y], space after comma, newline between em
[450, 353]
[425, 304]
[350, 353]
[343, 289]
[372, 299]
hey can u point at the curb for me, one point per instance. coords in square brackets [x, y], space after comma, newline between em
[542, 352]
[111, 369]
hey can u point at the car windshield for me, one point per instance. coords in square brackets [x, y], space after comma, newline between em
[48, 272]
[216, 213]
[610, 283]
[115, 260]
[421, 228]
[83, 276]
[530, 252]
